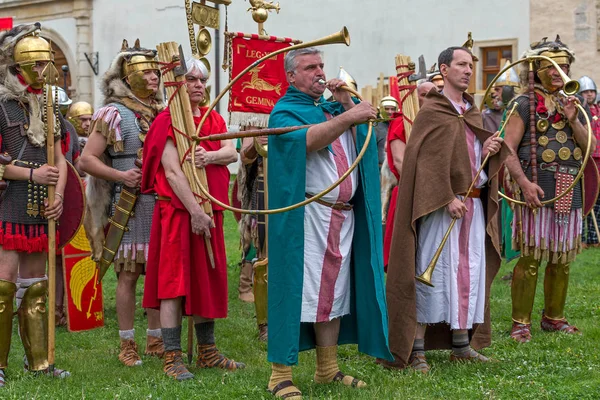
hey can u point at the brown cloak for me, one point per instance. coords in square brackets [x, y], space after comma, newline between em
[436, 168]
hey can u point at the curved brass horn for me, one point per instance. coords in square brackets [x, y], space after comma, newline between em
[425, 277]
[572, 87]
[340, 37]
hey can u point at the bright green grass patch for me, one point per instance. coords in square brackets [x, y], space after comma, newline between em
[551, 366]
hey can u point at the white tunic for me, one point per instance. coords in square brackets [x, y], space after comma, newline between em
[328, 233]
[458, 295]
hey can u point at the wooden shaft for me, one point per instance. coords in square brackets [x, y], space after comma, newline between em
[183, 120]
[410, 105]
[51, 232]
[253, 133]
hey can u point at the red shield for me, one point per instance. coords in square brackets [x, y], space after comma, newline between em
[74, 207]
[85, 309]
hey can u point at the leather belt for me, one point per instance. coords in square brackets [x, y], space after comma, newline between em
[475, 193]
[336, 206]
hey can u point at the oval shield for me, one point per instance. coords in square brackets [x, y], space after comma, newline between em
[74, 207]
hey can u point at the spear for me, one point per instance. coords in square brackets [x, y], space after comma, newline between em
[50, 77]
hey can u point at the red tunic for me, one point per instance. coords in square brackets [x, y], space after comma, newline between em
[178, 264]
[395, 132]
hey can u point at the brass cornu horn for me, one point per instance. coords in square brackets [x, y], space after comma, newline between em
[425, 277]
[340, 37]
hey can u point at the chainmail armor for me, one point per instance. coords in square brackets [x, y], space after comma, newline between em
[140, 223]
[13, 201]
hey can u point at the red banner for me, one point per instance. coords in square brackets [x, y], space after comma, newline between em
[258, 90]
[6, 23]
[85, 308]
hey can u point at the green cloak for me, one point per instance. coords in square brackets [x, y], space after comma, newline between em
[367, 323]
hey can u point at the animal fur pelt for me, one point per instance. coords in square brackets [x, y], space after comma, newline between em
[388, 182]
[12, 89]
[98, 193]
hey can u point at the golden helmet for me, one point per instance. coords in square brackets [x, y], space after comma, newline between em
[80, 108]
[137, 59]
[75, 113]
[32, 48]
[346, 77]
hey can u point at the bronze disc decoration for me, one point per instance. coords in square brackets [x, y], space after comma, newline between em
[548, 155]
[577, 153]
[564, 153]
[542, 125]
[561, 137]
[543, 140]
[204, 42]
[206, 63]
[559, 125]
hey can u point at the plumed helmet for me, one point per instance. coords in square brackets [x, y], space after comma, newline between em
[586, 83]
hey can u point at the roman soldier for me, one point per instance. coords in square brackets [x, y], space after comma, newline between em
[24, 210]
[80, 116]
[388, 106]
[587, 90]
[132, 100]
[251, 192]
[547, 156]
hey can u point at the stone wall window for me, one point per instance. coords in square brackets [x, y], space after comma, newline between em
[493, 61]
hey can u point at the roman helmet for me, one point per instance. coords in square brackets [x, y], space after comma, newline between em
[558, 52]
[63, 99]
[30, 50]
[387, 101]
[77, 110]
[136, 60]
[509, 82]
[586, 83]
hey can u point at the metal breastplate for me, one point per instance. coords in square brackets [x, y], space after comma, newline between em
[14, 202]
[555, 150]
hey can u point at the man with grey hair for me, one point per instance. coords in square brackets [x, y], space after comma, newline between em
[179, 276]
[326, 275]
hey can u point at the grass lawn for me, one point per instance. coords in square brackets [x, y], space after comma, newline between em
[551, 366]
